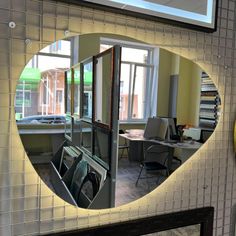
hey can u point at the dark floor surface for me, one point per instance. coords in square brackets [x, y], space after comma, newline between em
[127, 174]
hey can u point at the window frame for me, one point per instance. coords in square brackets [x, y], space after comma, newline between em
[45, 92]
[34, 63]
[24, 91]
[150, 63]
[59, 96]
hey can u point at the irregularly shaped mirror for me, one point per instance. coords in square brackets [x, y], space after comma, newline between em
[168, 106]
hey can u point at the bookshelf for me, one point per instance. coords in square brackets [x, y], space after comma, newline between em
[209, 103]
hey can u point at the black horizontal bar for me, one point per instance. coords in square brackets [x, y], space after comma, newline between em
[202, 216]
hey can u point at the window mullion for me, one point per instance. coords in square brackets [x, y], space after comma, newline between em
[130, 92]
[149, 89]
[139, 71]
[133, 88]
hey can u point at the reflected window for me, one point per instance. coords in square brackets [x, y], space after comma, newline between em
[61, 47]
[23, 98]
[41, 85]
[137, 79]
[59, 97]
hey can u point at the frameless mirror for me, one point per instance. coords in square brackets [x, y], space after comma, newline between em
[48, 114]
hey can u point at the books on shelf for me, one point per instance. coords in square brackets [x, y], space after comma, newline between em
[209, 103]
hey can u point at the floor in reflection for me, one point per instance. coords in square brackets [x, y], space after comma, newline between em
[127, 174]
[126, 190]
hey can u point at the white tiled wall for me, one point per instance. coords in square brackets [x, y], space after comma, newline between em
[27, 206]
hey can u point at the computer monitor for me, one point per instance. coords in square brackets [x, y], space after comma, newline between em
[156, 128]
[172, 130]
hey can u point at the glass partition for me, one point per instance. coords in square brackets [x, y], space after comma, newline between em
[102, 147]
[86, 136]
[77, 130]
[103, 74]
[76, 136]
[76, 88]
[68, 91]
[141, 85]
[68, 127]
[87, 86]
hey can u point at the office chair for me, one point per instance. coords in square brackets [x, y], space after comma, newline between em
[124, 146]
[152, 165]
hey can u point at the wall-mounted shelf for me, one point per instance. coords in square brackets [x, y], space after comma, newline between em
[209, 103]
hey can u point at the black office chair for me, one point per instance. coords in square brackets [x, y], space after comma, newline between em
[124, 146]
[151, 166]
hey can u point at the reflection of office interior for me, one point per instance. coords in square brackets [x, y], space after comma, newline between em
[163, 98]
[83, 168]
